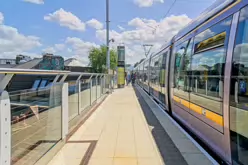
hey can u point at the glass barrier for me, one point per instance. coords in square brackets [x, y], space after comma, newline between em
[85, 94]
[99, 93]
[107, 83]
[93, 90]
[36, 123]
[73, 99]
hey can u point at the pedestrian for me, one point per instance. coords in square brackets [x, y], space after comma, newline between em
[128, 78]
[133, 78]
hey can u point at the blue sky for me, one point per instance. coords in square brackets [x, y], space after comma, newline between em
[71, 27]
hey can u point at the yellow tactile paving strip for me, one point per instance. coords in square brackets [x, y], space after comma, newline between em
[121, 132]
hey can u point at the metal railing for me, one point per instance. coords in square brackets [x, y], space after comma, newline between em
[35, 118]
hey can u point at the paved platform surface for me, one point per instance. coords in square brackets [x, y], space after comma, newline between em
[175, 145]
[124, 130]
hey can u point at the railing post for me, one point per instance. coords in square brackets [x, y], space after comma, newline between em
[96, 87]
[79, 97]
[65, 110]
[5, 129]
[90, 91]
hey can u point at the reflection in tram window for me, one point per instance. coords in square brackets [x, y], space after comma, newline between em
[145, 75]
[162, 75]
[208, 71]
[43, 83]
[36, 84]
[239, 93]
[154, 75]
[182, 70]
[208, 66]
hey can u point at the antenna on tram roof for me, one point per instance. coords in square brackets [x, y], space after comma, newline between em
[147, 49]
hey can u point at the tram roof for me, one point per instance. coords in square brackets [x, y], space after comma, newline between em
[216, 7]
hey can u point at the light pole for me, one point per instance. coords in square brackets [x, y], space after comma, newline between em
[107, 36]
[147, 51]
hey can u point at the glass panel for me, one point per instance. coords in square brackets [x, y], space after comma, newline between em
[99, 87]
[73, 99]
[36, 118]
[93, 90]
[145, 77]
[182, 69]
[215, 41]
[239, 93]
[85, 94]
[162, 76]
[208, 66]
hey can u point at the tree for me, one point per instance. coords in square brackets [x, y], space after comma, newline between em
[97, 58]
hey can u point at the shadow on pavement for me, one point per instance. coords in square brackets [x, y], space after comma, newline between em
[169, 152]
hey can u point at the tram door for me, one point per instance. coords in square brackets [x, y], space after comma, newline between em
[165, 77]
[238, 103]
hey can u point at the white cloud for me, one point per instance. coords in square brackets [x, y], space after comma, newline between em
[143, 33]
[59, 47]
[95, 24]
[79, 49]
[39, 2]
[83, 60]
[66, 19]
[147, 3]
[121, 28]
[49, 50]
[12, 42]
[1, 18]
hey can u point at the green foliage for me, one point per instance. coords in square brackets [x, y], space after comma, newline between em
[97, 58]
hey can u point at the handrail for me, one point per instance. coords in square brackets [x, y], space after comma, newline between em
[30, 71]
[38, 71]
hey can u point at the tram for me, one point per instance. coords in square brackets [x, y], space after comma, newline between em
[200, 77]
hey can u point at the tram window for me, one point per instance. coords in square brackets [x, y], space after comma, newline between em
[208, 66]
[208, 70]
[146, 65]
[239, 93]
[154, 71]
[213, 42]
[182, 69]
[163, 59]
[157, 67]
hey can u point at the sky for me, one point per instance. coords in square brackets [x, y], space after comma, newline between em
[70, 28]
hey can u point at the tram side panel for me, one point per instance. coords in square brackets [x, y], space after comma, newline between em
[179, 111]
[197, 85]
[158, 77]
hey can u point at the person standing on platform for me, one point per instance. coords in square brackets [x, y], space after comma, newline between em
[132, 78]
[128, 78]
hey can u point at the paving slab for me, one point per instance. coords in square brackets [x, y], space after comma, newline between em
[120, 131]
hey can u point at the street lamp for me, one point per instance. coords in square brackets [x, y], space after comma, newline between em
[107, 36]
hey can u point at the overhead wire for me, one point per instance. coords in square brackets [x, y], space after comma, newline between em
[172, 5]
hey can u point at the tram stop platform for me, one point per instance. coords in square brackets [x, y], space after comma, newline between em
[129, 128]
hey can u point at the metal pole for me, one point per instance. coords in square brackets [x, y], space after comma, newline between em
[107, 37]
